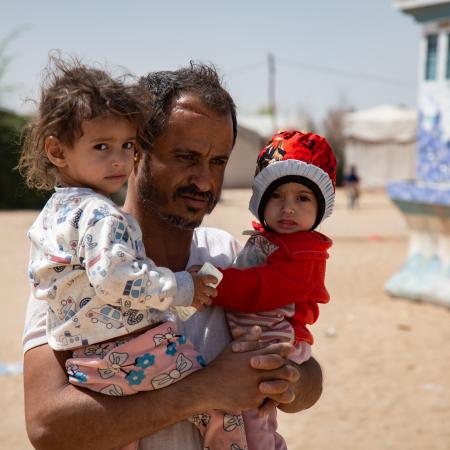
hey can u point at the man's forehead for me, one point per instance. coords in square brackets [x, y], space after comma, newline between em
[192, 105]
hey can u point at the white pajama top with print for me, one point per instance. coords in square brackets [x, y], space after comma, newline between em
[87, 260]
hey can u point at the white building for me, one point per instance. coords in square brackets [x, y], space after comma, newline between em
[434, 87]
[425, 203]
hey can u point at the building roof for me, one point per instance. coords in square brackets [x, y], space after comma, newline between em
[425, 10]
[413, 4]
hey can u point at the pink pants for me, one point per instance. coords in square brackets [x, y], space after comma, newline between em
[261, 432]
[148, 361]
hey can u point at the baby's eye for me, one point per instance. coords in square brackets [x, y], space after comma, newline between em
[304, 198]
[101, 147]
[128, 146]
[275, 195]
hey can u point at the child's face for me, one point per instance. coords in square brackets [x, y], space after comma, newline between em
[291, 208]
[103, 157]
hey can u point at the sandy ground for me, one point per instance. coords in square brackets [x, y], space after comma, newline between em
[386, 362]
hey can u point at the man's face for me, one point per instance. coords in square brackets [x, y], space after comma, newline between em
[181, 178]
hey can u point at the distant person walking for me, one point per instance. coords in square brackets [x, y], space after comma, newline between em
[351, 182]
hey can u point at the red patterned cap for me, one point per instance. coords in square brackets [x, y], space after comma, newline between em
[305, 156]
[307, 147]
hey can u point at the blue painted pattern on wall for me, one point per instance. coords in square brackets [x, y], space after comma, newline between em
[433, 159]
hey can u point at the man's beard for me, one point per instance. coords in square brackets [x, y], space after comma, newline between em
[153, 200]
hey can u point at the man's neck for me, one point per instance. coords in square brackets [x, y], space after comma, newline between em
[165, 244]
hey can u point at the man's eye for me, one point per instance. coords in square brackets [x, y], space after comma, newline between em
[128, 146]
[186, 157]
[101, 147]
[219, 161]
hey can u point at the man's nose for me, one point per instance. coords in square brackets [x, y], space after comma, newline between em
[201, 177]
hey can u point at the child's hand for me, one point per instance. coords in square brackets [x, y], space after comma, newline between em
[202, 292]
[194, 269]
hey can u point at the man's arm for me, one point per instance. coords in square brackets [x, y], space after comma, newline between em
[59, 415]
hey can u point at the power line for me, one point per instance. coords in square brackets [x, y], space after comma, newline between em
[326, 71]
[347, 73]
[247, 68]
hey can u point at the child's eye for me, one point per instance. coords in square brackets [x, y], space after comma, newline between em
[101, 147]
[304, 198]
[275, 195]
[128, 146]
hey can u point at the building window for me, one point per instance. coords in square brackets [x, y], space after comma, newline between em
[447, 75]
[431, 57]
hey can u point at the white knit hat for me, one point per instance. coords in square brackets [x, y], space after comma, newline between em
[295, 157]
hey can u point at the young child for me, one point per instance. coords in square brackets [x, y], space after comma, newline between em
[108, 302]
[284, 259]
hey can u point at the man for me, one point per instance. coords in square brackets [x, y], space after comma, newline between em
[175, 183]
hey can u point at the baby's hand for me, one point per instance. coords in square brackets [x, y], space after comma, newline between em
[203, 291]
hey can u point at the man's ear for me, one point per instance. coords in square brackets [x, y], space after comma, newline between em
[55, 151]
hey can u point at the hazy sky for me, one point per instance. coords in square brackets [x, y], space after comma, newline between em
[367, 37]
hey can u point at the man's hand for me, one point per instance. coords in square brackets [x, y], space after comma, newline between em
[300, 386]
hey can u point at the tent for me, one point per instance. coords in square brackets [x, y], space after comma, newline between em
[381, 143]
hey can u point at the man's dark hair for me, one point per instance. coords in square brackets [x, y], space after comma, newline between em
[199, 79]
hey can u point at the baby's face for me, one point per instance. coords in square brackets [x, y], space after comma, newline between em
[291, 208]
[103, 157]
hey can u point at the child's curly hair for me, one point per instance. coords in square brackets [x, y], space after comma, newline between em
[71, 94]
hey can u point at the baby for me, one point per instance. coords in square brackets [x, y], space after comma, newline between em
[278, 278]
[108, 302]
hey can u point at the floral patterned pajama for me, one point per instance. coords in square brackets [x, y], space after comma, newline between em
[152, 360]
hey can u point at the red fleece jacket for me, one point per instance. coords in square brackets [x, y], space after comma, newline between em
[294, 273]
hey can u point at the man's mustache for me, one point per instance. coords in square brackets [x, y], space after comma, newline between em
[193, 191]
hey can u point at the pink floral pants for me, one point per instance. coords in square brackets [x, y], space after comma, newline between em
[152, 360]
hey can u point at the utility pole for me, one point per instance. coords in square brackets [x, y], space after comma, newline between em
[271, 89]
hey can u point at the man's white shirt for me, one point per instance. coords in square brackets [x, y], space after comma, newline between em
[208, 331]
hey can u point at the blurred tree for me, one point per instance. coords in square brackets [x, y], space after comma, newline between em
[13, 192]
[333, 126]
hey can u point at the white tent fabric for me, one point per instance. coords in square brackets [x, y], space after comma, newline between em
[384, 123]
[381, 143]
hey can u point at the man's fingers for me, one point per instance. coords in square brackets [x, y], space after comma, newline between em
[247, 340]
[285, 372]
[247, 346]
[244, 335]
[284, 349]
[277, 390]
[267, 362]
